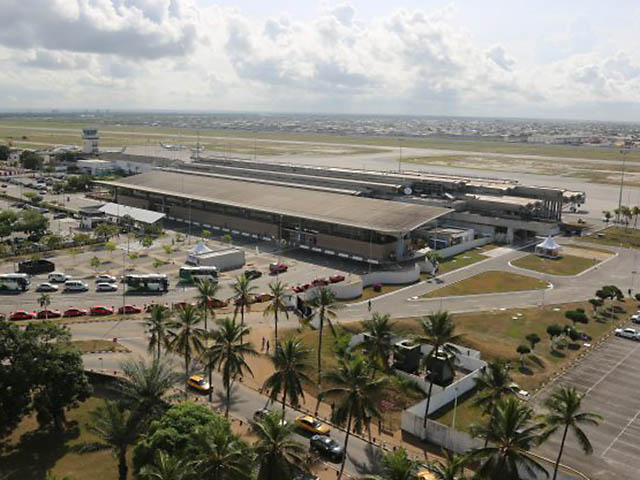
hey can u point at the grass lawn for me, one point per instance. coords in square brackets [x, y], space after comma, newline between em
[564, 265]
[616, 237]
[492, 281]
[369, 292]
[30, 453]
[86, 346]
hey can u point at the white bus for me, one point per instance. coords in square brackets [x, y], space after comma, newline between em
[14, 282]
[152, 283]
[191, 274]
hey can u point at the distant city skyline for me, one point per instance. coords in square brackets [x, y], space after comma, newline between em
[553, 60]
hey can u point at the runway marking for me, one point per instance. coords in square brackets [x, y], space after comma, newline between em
[611, 370]
[621, 432]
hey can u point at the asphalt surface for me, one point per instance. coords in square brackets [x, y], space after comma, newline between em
[609, 376]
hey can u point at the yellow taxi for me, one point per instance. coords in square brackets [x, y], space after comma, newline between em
[310, 424]
[198, 382]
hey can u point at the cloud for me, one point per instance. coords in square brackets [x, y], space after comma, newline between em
[500, 57]
[130, 28]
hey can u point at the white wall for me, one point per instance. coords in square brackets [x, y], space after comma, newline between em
[438, 434]
[392, 277]
[463, 247]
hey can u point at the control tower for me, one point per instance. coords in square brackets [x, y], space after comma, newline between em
[90, 140]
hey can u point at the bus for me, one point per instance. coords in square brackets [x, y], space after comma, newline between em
[152, 283]
[190, 274]
[14, 282]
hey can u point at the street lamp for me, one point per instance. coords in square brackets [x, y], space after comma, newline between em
[101, 363]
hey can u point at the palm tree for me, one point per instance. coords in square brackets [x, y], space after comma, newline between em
[324, 303]
[278, 289]
[228, 353]
[377, 340]
[355, 390]
[452, 468]
[206, 292]
[145, 386]
[438, 330]
[157, 327]
[635, 211]
[166, 467]
[289, 363]
[563, 407]
[117, 429]
[396, 465]
[223, 456]
[188, 336]
[44, 300]
[511, 433]
[275, 449]
[493, 384]
[242, 294]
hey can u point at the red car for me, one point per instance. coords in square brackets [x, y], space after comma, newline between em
[336, 278]
[275, 268]
[217, 303]
[49, 314]
[22, 315]
[100, 310]
[320, 282]
[180, 305]
[298, 288]
[74, 312]
[262, 297]
[128, 309]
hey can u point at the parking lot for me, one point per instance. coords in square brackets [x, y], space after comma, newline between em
[610, 378]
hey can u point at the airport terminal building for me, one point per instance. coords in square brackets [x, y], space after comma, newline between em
[320, 219]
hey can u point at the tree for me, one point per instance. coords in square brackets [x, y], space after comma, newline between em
[610, 292]
[4, 153]
[355, 391]
[187, 337]
[31, 160]
[117, 429]
[157, 263]
[228, 353]
[533, 339]
[438, 330]
[509, 434]
[289, 362]
[564, 411]
[52, 241]
[278, 290]
[206, 234]
[110, 247]
[635, 211]
[157, 326]
[396, 465]
[493, 384]
[227, 239]
[167, 467]
[452, 468]
[323, 302]
[377, 340]
[95, 263]
[275, 449]
[206, 293]
[522, 351]
[32, 222]
[242, 294]
[222, 455]
[106, 231]
[596, 303]
[554, 331]
[44, 300]
[576, 316]
[146, 241]
[145, 386]
[175, 433]
[607, 216]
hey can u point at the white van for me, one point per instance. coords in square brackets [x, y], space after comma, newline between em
[58, 277]
[75, 286]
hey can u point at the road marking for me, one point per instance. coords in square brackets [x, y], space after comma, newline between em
[611, 370]
[620, 434]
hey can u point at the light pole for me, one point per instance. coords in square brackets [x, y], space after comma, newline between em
[623, 151]
[455, 407]
[101, 363]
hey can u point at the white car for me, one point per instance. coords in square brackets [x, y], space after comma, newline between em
[75, 286]
[635, 318]
[627, 333]
[58, 277]
[47, 287]
[104, 278]
[106, 287]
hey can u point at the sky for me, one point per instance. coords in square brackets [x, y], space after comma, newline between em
[540, 59]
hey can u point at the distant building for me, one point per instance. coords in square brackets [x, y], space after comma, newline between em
[95, 167]
[90, 140]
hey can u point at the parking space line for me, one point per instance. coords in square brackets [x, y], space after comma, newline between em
[612, 369]
[621, 432]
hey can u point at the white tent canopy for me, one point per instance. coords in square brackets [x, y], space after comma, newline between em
[548, 244]
[197, 251]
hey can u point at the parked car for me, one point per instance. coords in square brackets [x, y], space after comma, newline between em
[298, 288]
[46, 314]
[129, 309]
[262, 297]
[627, 333]
[74, 312]
[312, 425]
[217, 303]
[276, 268]
[320, 282]
[47, 287]
[100, 310]
[327, 447]
[197, 382]
[106, 287]
[252, 274]
[105, 278]
[336, 278]
[22, 315]
[635, 318]
[57, 277]
[59, 215]
[75, 286]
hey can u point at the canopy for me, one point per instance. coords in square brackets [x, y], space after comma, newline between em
[549, 244]
[200, 249]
